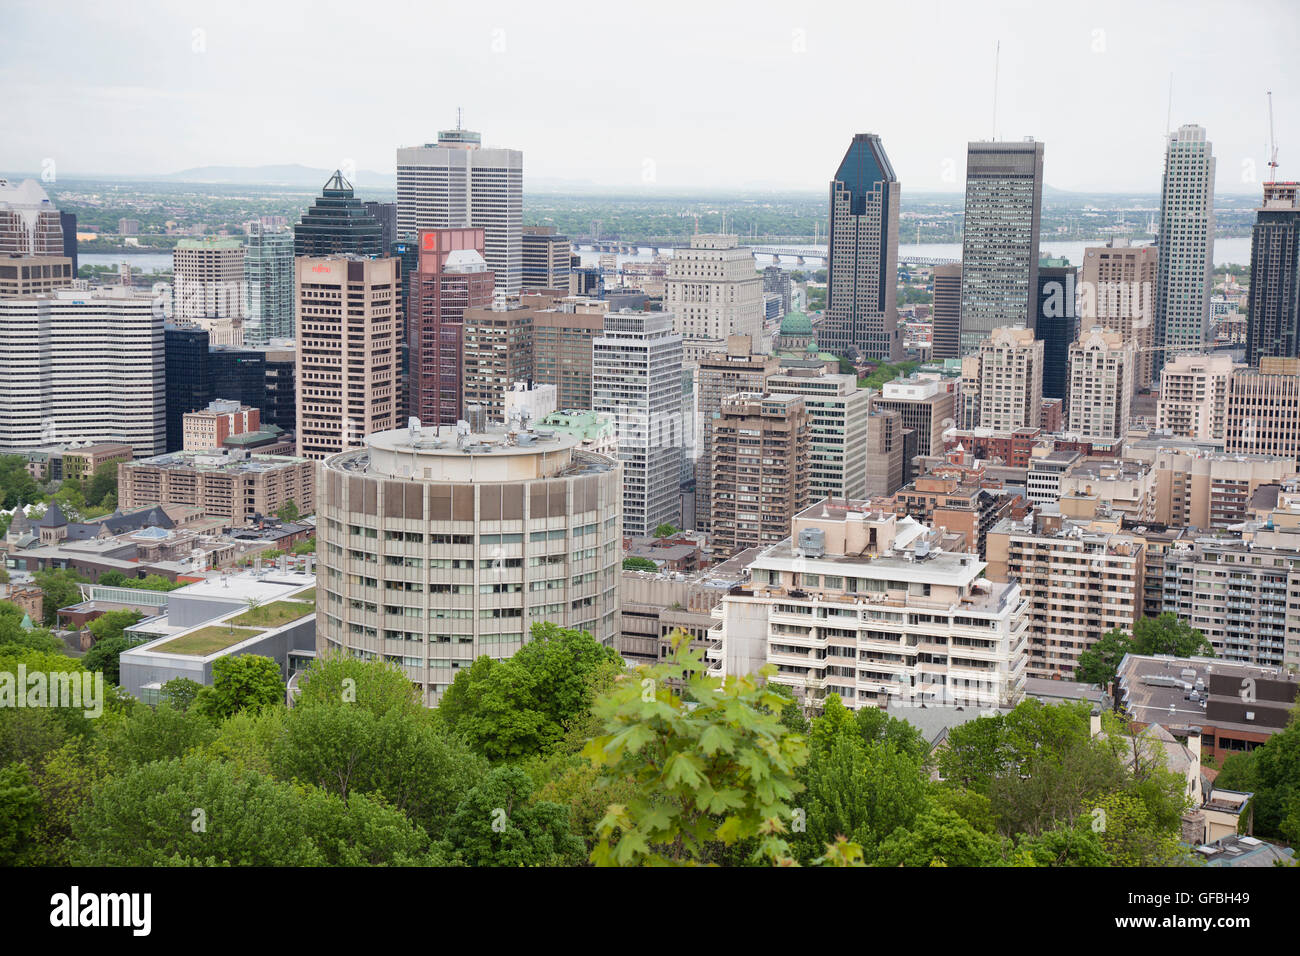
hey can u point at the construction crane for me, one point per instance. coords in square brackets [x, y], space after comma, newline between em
[1272, 144]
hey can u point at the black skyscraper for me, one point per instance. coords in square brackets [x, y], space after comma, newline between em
[386, 214]
[1273, 315]
[338, 223]
[188, 378]
[68, 220]
[1056, 323]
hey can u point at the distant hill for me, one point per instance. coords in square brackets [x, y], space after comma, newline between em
[293, 175]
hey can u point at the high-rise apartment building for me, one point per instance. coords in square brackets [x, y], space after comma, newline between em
[349, 326]
[837, 609]
[338, 223]
[546, 258]
[926, 405]
[1119, 294]
[738, 369]
[268, 283]
[451, 277]
[636, 377]
[1194, 396]
[1263, 414]
[1056, 323]
[776, 281]
[1010, 379]
[999, 254]
[82, 365]
[759, 470]
[1101, 385]
[886, 450]
[1081, 578]
[945, 321]
[436, 551]
[838, 412]
[29, 223]
[713, 290]
[457, 182]
[1185, 272]
[862, 271]
[1273, 316]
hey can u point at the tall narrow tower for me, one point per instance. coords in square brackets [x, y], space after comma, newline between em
[1273, 319]
[1185, 270]
[456, 182]
[862, 271]
[999, 255]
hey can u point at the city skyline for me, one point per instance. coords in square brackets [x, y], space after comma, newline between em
[108, 114]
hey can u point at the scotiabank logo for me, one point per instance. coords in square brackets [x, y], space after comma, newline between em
[429, 238]
[321, 269]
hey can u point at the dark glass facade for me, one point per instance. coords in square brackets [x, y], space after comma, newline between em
[1273, 313]
[68, 221]
[188, 378]
[338, 223]
[1056, 324]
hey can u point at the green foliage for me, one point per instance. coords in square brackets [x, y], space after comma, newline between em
[666, 530]
[247, 681]
[20, 811]
[147, 734]
[105, 655]
[59, 587]
[1099, 663]
[377, 686]
[498, 824]
[304, 547]
[102, 486]
[1272, 772]
[719, 769]
[1132, 836]
[518, 707]
[1169, 634]
[113, 624]
[639, 564]
[202, 812]
[181, 692]
[939, 837]
[16, 485]
[288, 511]
[885, 372]
[12, 632]
[1079, 845]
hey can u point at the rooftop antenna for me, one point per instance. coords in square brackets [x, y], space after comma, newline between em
[997, 55]
[459, 111]
[1272, 143]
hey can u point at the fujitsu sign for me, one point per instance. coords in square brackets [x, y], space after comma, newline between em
[322, 269]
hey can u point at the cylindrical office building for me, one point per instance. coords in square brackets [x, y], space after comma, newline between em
[436, 547]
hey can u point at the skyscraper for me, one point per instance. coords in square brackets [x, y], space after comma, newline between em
[1273, 317]
[208, 287]
[347, 356]
[385, 214]
[546, 258]
[457, 182]
[1055, 323]
[81, 365]
[999, 253]
[713, 291]
[338, 223]
[1119, 290]
[451, 277]
[1010, 380]
[1186, 242]
[862, 271]
[945, 324]
[268, 284]
[1101, 384]
[637, 378]
[29, 223]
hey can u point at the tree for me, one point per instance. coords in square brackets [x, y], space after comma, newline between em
[518, 707]
[1169, 634]
[377, 686]
[105, 656]
[59, 587]
[102, 485]
[247, 681]
[16, 483]
[1275, 774]
[639, 564]
[1099, 664]
[112, 579]
[1078, 845]
[939, 837]
[20, 811]
[498, 824]
[12, 631]
[180, 692]
[154, 733]
[304, 547]
[113, 624]
[288, 512]
[666, 530]
[717, 769]
[1131, 836]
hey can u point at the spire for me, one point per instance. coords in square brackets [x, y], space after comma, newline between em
[337, 184]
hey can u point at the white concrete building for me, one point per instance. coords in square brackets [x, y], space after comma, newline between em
[859, 603]
[83, 365]
[838, 412]
[1010, 380]
[636, 377]
[1185, 271]
[1102, 368]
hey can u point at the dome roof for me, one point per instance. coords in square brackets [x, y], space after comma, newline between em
[796, 323]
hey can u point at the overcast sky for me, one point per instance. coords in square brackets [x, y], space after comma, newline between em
[665, 93]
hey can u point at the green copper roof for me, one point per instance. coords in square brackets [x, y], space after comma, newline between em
[796, 323]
